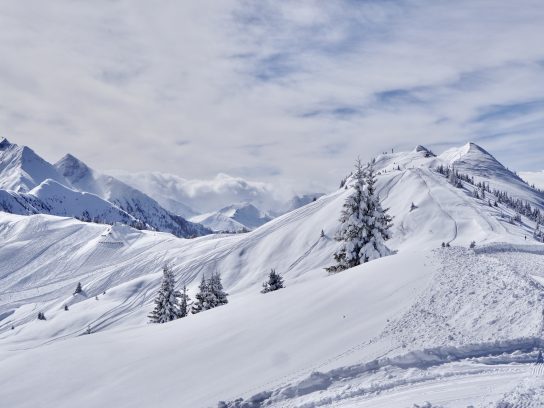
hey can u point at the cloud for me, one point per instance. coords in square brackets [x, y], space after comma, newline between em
[290, 91]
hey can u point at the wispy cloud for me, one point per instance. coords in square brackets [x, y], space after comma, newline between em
[286, 91]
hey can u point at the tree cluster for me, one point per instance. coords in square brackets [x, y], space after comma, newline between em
[170, 304]
[210, 294]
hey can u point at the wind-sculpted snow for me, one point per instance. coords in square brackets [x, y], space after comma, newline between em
[395, 332]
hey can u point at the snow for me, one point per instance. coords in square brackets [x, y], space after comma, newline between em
[30, 185]
[450, 326]
[533, 177]
[21, 169]
[233, 218]
[202, 196]
[130, 200]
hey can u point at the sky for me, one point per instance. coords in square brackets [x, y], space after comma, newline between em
[285, 92]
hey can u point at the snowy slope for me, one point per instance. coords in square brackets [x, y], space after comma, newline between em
[216, 221]
[233, 218]
[53, 198]
[416, 319]
[533, 177]
[474, 160]
[89, 207]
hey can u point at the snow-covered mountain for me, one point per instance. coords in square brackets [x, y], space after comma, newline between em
[535, 178]
[233, 218]
[130, 200]
[31, 185]
[394, 332]
[21, 169]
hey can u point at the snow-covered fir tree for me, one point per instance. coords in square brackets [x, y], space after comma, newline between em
[454, 178]
[364, 224]
[167, 302]
[538, 234]
[274, 282]
[216, 288]
[210, 294]
[184, 304]
[203, 297]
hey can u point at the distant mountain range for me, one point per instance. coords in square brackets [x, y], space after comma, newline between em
[155, 201]
[31, 185]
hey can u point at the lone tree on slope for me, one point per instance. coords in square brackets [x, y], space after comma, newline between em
[167, 306]
[364, 223]
[79, 289]
[274, 282]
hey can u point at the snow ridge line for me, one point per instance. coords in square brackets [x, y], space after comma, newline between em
[498, 352]
[500, 247]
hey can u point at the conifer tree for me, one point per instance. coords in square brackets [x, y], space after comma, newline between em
[274, 282]
[167, 300]
[184, 305]
[202, 297]
[364, 224]
[216, 289]
[79, 289]
[210, 294]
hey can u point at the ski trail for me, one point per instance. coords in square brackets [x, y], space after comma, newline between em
[456, 228]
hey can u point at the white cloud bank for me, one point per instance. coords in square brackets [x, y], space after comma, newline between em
[288, 92]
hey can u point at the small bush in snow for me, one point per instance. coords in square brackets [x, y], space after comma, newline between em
[274, 282]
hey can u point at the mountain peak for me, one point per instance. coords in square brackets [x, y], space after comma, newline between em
[72, 168]
[424, 150]
[4, 144]
[472, 147]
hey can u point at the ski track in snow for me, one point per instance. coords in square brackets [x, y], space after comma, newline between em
[476, 325]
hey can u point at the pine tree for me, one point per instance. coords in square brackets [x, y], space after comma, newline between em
[184, 305]
[274, 282]
[201, 297]
[167, 300]
[216, 289]
[538, 234]
[539, 358]
[79, 289]
[210, 294]
[364, 224]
